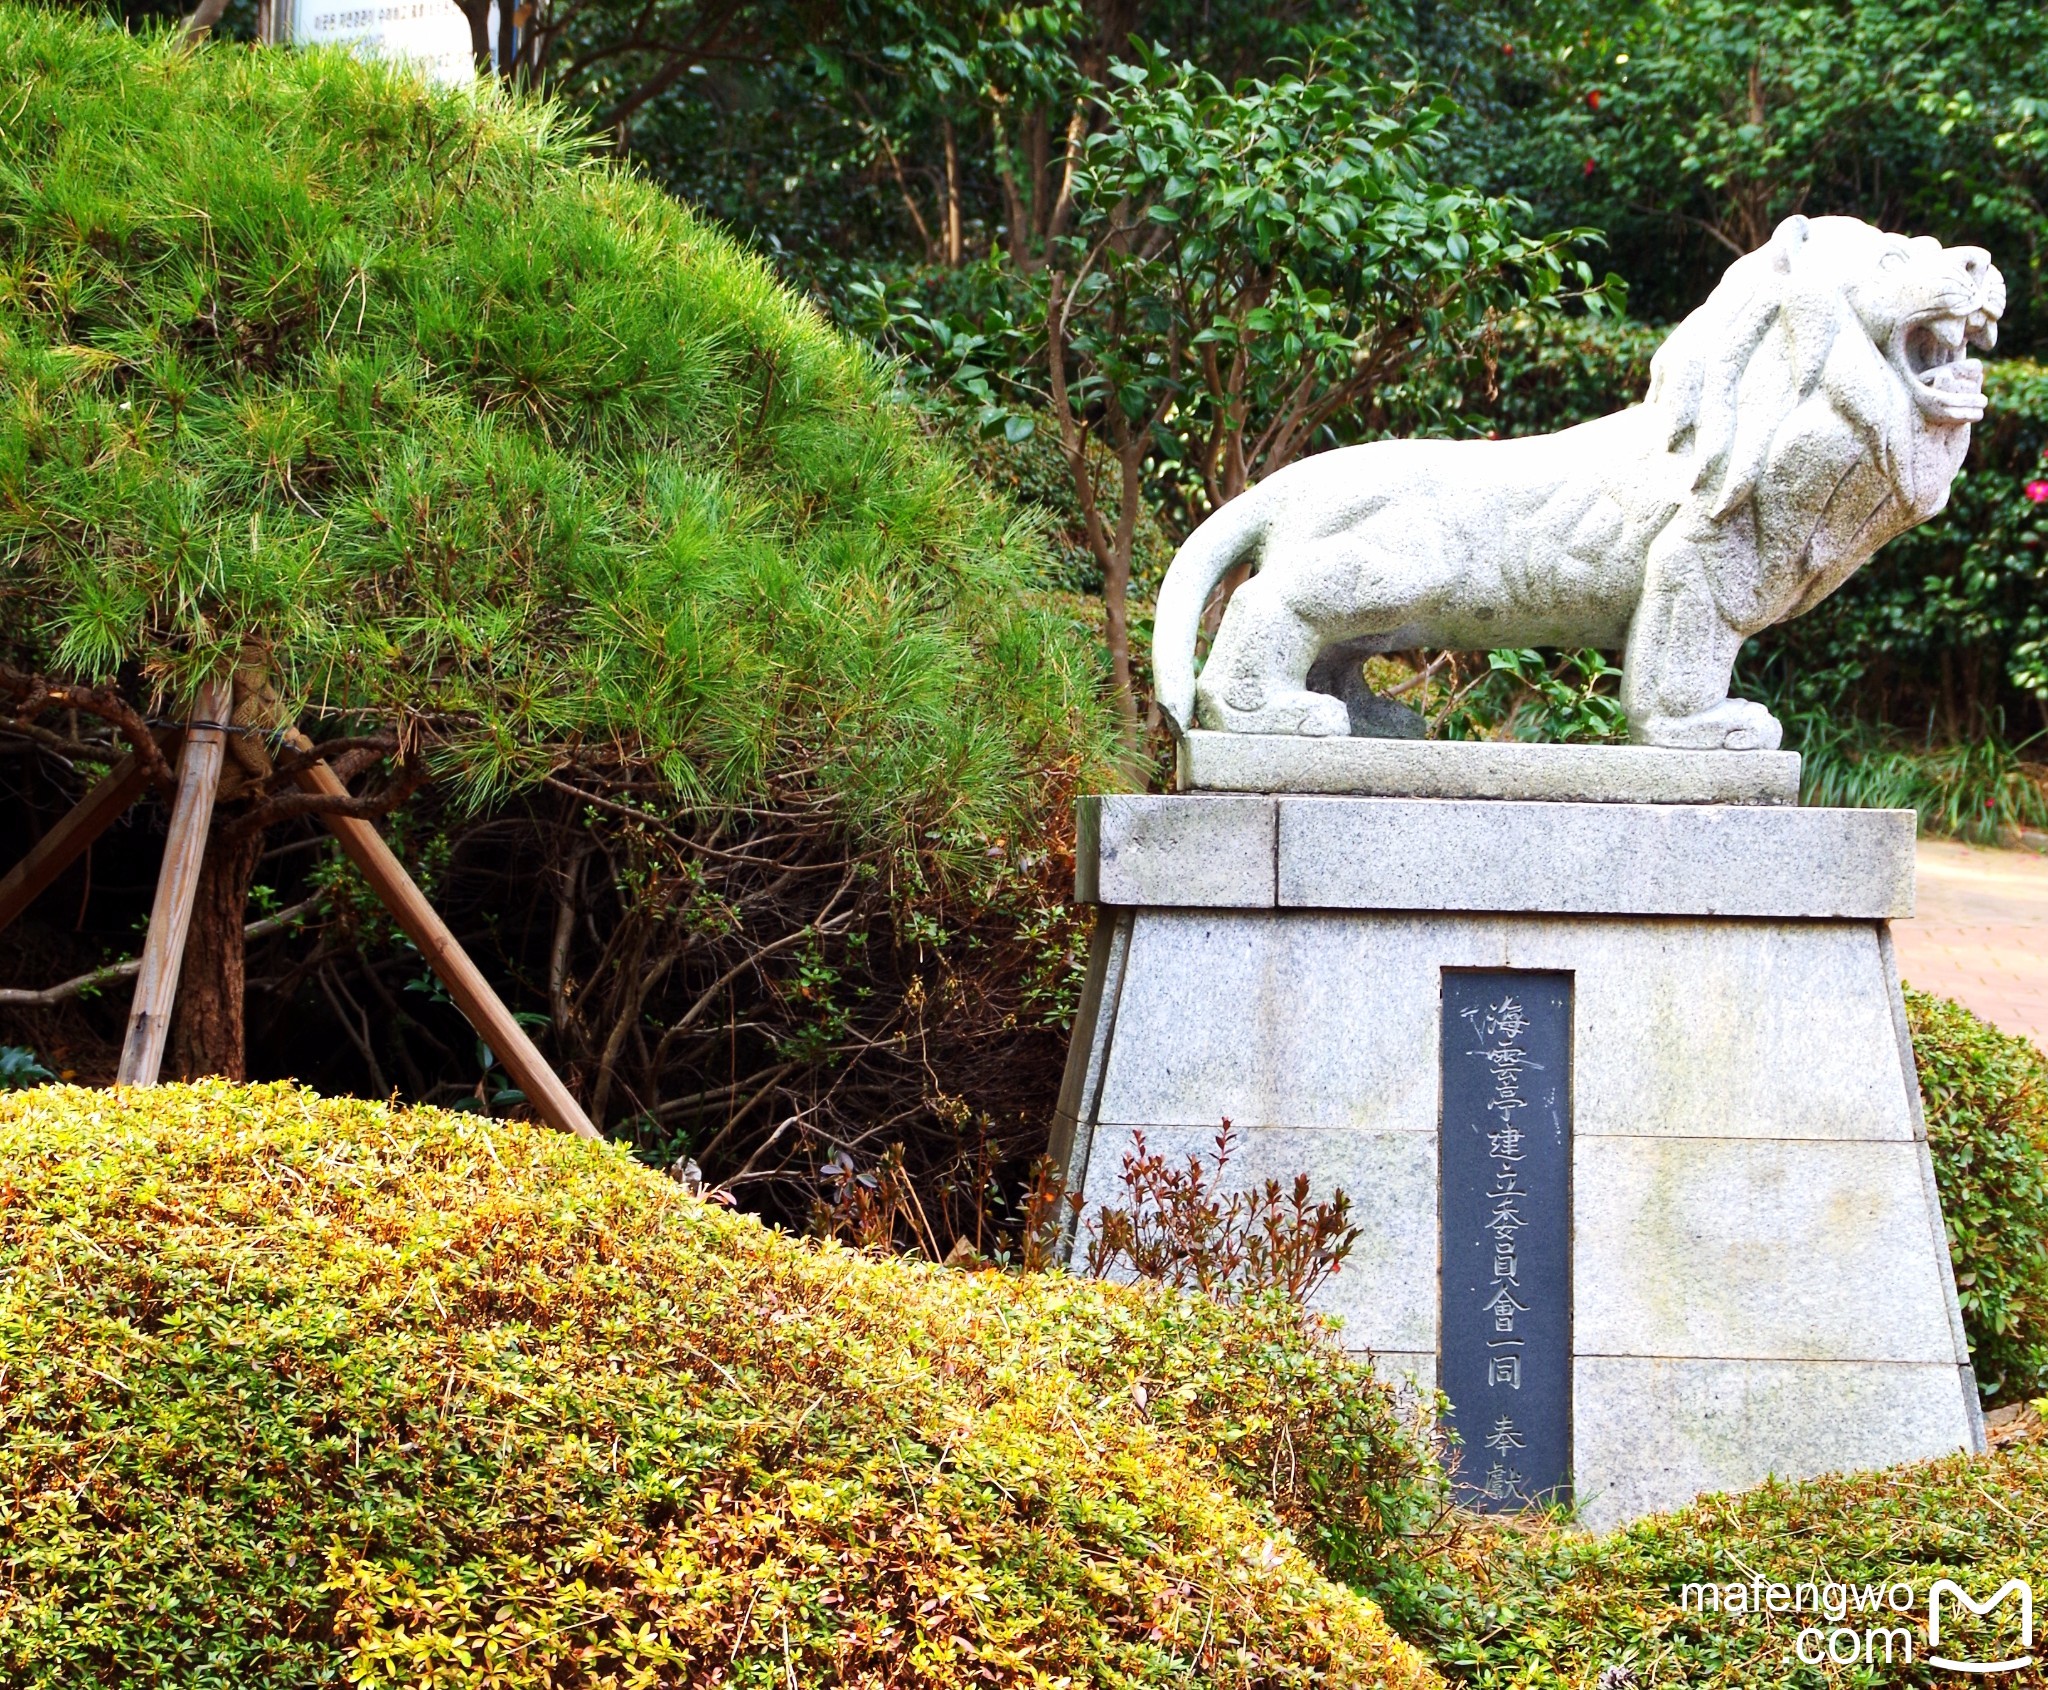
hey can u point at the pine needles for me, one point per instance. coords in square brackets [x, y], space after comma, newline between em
[479, 434]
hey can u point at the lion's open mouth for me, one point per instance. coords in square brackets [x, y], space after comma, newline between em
[1934, 358]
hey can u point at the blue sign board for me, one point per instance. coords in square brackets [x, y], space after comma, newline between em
[1506, 1161]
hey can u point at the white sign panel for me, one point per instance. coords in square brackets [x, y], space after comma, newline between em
[432, 34]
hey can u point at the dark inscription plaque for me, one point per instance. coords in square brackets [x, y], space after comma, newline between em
[1506, 1184]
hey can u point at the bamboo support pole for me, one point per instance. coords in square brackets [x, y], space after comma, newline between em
[444, 953]
[170, 917]
[90, 817]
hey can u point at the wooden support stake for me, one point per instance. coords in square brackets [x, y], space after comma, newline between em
[465, 982]
[90, 817]
[170, 917]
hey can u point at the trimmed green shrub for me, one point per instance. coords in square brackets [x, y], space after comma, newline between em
[474, 431]
[1541, 1608]
[1986, 1097]
[752, 714]
[308, 1392]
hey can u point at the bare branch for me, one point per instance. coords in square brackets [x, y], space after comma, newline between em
[63, 746]
[33, 695]
[114, 973]
[754, 959]
[355, 1022]
[370, 807]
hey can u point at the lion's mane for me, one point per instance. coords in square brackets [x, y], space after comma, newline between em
[1723, 409]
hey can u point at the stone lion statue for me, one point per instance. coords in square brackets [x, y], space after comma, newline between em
[1818, 404]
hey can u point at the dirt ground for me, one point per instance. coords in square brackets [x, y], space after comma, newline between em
[1980, 934]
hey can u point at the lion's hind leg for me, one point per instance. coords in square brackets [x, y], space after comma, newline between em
[1255, 681]
[1295, 611]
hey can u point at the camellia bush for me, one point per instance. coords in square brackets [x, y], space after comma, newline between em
[1248, 272]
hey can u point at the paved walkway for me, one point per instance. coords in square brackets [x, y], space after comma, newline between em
[1981, 934]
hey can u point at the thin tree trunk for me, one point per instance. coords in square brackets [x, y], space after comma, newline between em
[207, 1024]
[1116, 574]
[1038, 159]
[1014, 235]
[1063, 207]
[478, 12]
[1233, 474]
[1116, 585]
[1233, 578]
[956, 249]
[895, 164]
[199, 23]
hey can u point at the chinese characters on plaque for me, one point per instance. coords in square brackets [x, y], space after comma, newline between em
[1506, 1211]
[433, 34]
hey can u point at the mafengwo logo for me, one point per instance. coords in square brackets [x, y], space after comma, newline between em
[1832, 1624]
[1959, 1597]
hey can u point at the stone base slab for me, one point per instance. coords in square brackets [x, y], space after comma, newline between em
[1238, 851]
[1652, 1433]
[1415, 768]
[1762, 1282]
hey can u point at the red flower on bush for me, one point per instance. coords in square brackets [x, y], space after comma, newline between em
[1593, 99]
[2037, 491]
[1591, 167]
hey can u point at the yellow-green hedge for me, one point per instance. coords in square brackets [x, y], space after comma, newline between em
[1549, 1609]
[301, 1391]
[1986, 1095]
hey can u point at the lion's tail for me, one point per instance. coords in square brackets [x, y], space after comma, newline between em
[1192, 576]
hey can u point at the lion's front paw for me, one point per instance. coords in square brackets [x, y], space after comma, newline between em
[1734, 724]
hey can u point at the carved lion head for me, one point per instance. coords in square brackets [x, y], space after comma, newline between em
[1875, 324]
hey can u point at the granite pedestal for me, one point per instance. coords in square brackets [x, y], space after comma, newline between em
[1758, 1279]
